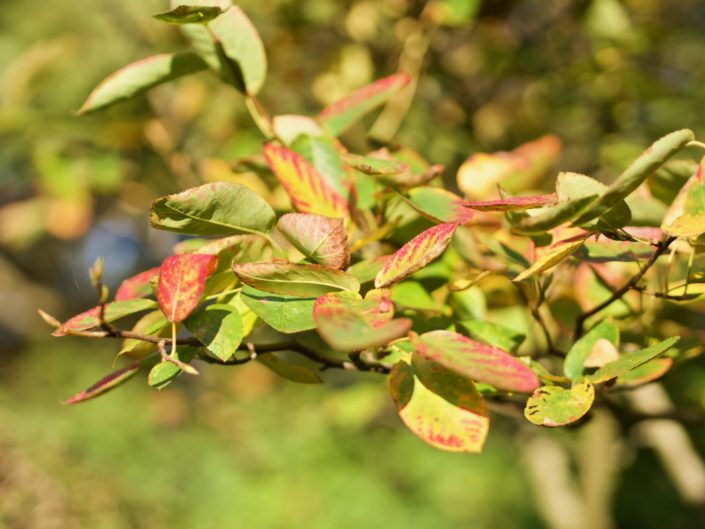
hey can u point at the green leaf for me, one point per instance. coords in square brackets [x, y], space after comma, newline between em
[294, 372]
[113, 311]
[556, 406]
[320, 239]
[139, 77]
[188, 14]
[633, 176]
[554, 255]
[416, 254]
[286, 314]
[164, 372]
[476, 361]
[324, 153]
[493, 334]
[367, 269]
[152, 324]
[348, 323]
[220, 208]
[439, 205]
[106, 383]
[336, 118]
[219, 328]
[459, 426]
[552, 217]
[373, 166]
[412, 295]
[575, 359]
[240, 42]
[294, 279]
[631, 361]
[648, 372]
[575, 186]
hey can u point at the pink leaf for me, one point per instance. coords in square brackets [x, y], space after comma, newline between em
[136, 286]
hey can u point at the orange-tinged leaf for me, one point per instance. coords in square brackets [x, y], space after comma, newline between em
[476, 361]
[554, 254]
[105, 384]
[321, 239]
[443, 422]
[308, 191]
[556, 406]
[181, 282]
[137, 286]
[336, 118]
[113, 311]
[513, 203]
[416, 254]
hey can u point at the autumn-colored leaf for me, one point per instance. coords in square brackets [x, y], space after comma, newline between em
[580, 351]
[325, 154]
[439, 205]
[552, 256]
[113, 311]
[106, 383]
[513, 203]
[476, 361]
[320, 239]
[630, 361]
[308, 191]
[182, 279]
[416, 254]
[336, 118]
[556, 406]
[137, 286]
[648, 372]
[460, 424]
[289, 279]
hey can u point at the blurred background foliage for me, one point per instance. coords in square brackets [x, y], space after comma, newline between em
[238, 448]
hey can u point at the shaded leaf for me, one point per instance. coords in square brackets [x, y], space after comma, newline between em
[287, 314]
[556, 406]
[294, 372]
[164, 372]
[475, 360]
[151, 324]
[493, 334]
[308, 191]
[552, 217]
[648, 372]
[137, 286]
[220, 208]
[219, 328]
[301, 280]
[139, 77]
[336, 118]
[416, 254]
[320, 239]
[580, 351]
[106, 383]
[630, 361]
[181, 282]
[188, 14]
[434, 419]
[113, 311]
[367, 269]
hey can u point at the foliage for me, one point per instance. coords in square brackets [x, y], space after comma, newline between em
[377, 234]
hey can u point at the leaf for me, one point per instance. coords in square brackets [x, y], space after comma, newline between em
[289, 371]
[288, 127]
[347, 323]
[476, 361]
[324, 153]
[188, 14]
[416, 254]
[686, 215]
[320, 239]
[412, 295]
[552, 217]
[238, 249]
[634, 175]
[556, 406]
[631, 361]
[513, 203]
[308, 191]
[113, 311]
[367, 269]
[493, 334]
[645, 373]
[439, 205]
[139, 77]
[219, 328]
[579, 353]
[240, 42]
[164, 372]
[106, 383]
[373, 166]
[290, 279]
[434, 419]
[181, 282]
[286, 314]
[574, 186]
[137, 286]
[151, 324]
[554, 255]
[220, 208]
[336, 118]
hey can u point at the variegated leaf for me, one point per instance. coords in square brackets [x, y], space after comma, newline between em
[556, 406]
[553, 255]
[137, 286]
[291, 279]
[113, 311]
[106, 383]
[182, 279]
[321, 239]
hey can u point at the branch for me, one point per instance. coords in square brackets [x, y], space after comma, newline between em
[620, 292]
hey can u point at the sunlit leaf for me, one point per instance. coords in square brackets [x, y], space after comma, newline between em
[137, 286]
[550, 218]
[577, 355]
[289, 279]
[513, 203]
[188, 14]
[648, 372]
[164, 372]
[555, 254]
[374, 166]
[576, 186]
[493, 334]
[336, 118]
[287, 314]
[219, 328]
[439, 205]
[220, 208]
[478, 361]
[416, 254]
[320, 239]
[308, 191]
[324, 153]
[288, 127]
[630, 361]
[460, 426]
[557, 406]
[139, 77]
[113, 311]
[367, 269]
[151, 324]
[182, 279]
[105, 384]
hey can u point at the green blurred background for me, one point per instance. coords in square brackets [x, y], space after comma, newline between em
[238, 447]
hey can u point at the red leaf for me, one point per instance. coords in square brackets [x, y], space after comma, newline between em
[105, 384]
[136, 286]
[181, 282]
[512, 203]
